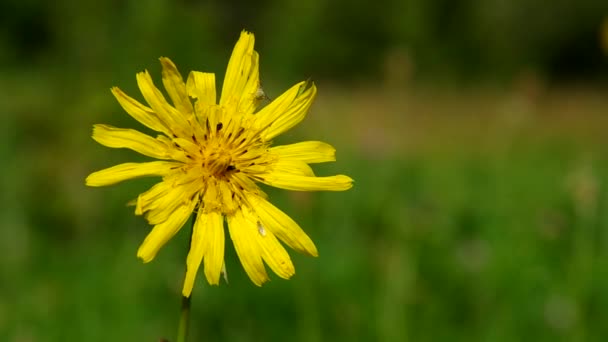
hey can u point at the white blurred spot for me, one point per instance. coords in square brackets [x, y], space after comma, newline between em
[259, 94]
[261, 229]
[224, 273]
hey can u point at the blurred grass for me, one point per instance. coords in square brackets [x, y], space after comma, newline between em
[477, 214]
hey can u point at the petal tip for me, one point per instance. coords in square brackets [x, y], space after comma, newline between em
[345, 181]
[212, 279]
[245, 34]
[144, 254]
[92, 180]
[167, 63]
[259, 280]
[187, 291]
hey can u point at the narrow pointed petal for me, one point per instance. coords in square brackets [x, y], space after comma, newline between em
[274, 254]
[291, 181]
[201, 86]
[129, 138]
[161, 233]
[208, 242]
[252, 94]
[214, 254]
[242, 75]
[306, 151]
[122, 172]
[193, 261]
[172, 118]
[287, 110]
[281, 225]
[145, 200]
[175, 86]
[145, 115]
[290, 167]
[162, 207]
[241, 232]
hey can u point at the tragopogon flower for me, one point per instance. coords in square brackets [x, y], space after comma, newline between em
[211, 155]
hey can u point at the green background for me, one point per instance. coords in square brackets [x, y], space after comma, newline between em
[475, 132]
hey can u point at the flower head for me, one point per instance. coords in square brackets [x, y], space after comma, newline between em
[210, 157]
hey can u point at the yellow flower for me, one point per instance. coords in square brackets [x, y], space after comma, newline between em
[211, 155]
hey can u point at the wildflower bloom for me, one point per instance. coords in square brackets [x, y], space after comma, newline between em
[210, 156]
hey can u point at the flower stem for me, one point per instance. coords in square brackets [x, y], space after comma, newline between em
[184, 320]
[184, 317]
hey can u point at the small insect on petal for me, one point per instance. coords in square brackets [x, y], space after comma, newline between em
[261, 229]
[260, 95]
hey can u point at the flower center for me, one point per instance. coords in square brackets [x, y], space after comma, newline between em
[218, 163]
[217, 160]
[222, 149]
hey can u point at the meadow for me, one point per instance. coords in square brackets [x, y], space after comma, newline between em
[478, 214]
[475, 132]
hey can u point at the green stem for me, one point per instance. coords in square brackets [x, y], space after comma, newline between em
[184, 317]
[184, 320]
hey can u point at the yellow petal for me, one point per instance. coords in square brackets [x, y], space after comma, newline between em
[286, 111]
[175, 86]
[214, 253]
[163, 198]
[201, 86]
[159, 210]
[273, 253]
[208, 242]
[252, 94]
[186, 145]
[290, 181]
[122, 172]
[241, 230]
[281, 225]
[268, 246]
[291, 167]
[139, 112]
[129, 138]
[306, 151]
[144, 200]
[177, 154]
[211, 197]
[161, 233]
[173, 119]
[244, 183]
[226, 196]
[242, 76]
